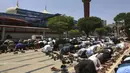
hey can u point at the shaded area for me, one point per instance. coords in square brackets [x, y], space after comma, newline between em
[44, 60]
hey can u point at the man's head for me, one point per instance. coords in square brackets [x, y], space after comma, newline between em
[85, 66]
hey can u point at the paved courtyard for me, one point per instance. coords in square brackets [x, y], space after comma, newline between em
[35, 62]
[29, 62]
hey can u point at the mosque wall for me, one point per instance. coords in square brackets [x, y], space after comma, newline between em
[20, 35]
[29, 35]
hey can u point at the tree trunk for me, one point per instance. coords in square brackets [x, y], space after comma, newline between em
[60, 35]
[87, 34]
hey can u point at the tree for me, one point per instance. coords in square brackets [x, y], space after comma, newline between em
[123, 18]
[101, 31]
[127, 19]
[61, 23]
[120, 21]
[108, 29]
[127, 24]
[74, 32]
[120, 17]
[89, 24]
[83, 26]
[96, 21]
[70, 21]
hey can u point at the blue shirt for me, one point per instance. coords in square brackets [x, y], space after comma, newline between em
[19, 45]
[124, 68]
[89, 52]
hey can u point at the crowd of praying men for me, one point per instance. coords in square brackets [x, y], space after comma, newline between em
[92, 54]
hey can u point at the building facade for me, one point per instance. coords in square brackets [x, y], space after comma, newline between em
[22, 23]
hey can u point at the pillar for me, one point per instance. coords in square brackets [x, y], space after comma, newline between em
[3, 33]
[44, 33]
[86, 8]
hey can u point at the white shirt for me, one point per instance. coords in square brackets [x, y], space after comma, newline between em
[47, 48]
[92, 47]
[88, 50]
[49, 39]
[95, 61]
[84, 43]
[50, 43]
[44, 41]
[81, 51]
[121, 45]
[40, 41]
[126, 59]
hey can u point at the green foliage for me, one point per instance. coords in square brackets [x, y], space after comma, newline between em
[70, 21]
[108, 29]
[61, 23]
[101, 31]
[127, 24]
[127, 19]
[89, 24]
[74, 32]
[82, 24]
[120, 17]
[83, 1]
[96, 21]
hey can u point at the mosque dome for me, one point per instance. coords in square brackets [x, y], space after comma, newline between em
[45, 11]
[12, 10]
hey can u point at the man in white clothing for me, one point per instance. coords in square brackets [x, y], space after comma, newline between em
[89, 51]
[121, 45]
[47, 48]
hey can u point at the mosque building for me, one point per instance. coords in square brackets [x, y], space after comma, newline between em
[22, 23]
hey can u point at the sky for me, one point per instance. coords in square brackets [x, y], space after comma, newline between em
[105, 9]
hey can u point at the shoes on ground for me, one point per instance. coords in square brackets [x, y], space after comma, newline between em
[55, 69]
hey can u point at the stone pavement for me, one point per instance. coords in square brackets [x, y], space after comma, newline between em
[29, 62]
